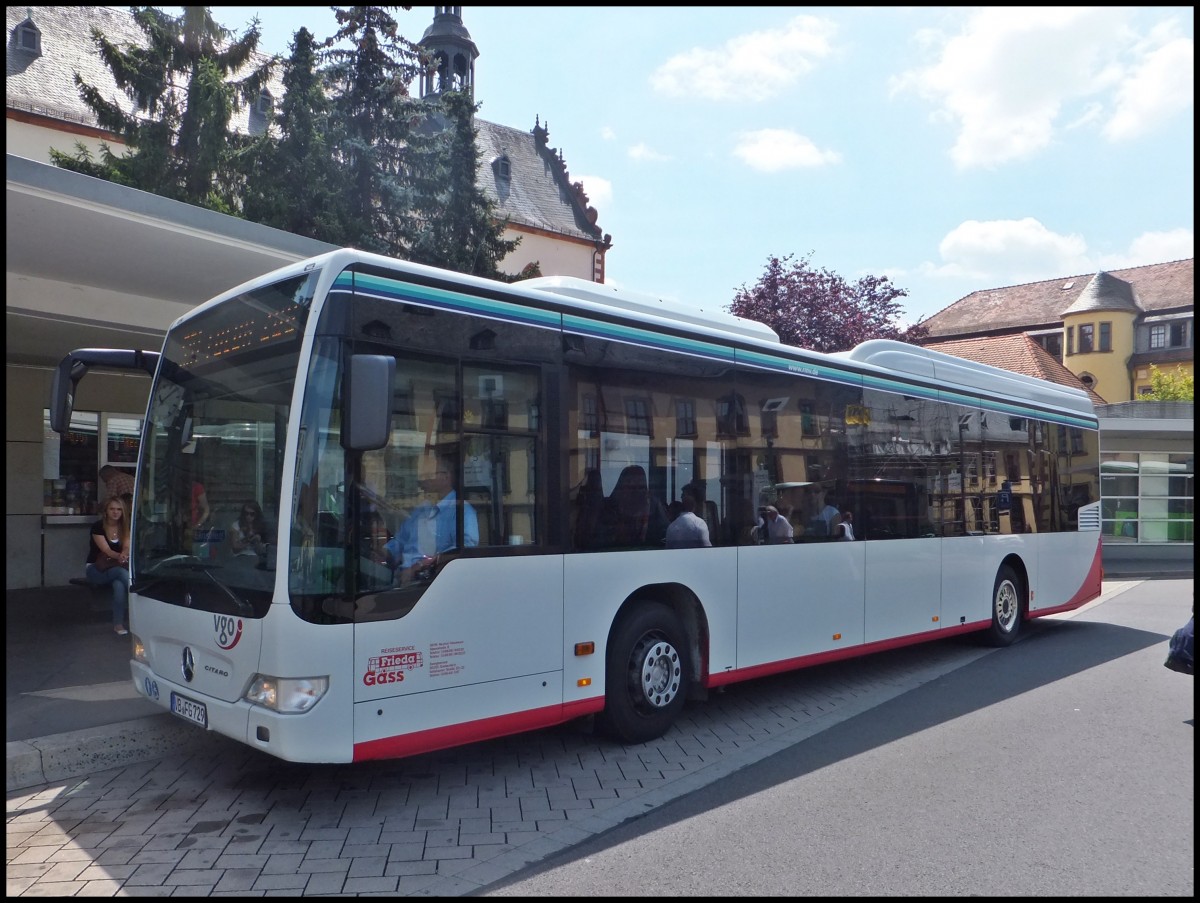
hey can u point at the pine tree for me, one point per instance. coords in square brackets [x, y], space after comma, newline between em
[292, 182]
[378, 142]
[461, 229]
[178, 137]
[818, 309]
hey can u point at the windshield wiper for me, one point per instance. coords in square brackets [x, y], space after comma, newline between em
[162, 569]
[242, 605]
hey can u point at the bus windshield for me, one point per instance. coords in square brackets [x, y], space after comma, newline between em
[207, 511]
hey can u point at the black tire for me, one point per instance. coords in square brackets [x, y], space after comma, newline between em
[646, 674]
[1008, 608]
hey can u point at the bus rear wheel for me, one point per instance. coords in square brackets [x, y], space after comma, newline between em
[645, 674]
[1007, 608]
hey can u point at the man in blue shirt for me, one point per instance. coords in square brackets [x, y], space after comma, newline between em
[432, 527]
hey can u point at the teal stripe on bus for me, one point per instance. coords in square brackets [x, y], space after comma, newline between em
[445, 299]
[404, 290]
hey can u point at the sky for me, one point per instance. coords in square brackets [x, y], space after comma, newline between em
[951, 149]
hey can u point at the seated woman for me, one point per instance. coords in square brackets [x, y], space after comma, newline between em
[248, 534]
[108, 558]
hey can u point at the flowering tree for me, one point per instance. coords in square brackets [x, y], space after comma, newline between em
[818, 309]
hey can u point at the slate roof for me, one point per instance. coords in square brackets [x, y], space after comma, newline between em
[1018, 353]
[539, 192]
[1156, 288]
[538, 195]
[45, 84]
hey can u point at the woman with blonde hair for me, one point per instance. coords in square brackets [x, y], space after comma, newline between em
[108, 558]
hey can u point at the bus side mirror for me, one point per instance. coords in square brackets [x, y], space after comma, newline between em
[72, 368]
[367, 423]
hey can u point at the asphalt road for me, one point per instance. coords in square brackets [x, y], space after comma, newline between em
[1062, 766]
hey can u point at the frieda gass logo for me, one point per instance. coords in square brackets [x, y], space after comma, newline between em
[390, 665]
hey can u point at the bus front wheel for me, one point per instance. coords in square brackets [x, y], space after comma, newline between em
[645, 674]
[1007, 607]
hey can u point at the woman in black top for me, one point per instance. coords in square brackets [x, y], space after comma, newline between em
[108, 558]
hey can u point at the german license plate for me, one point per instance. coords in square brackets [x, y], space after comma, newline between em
[189, 709]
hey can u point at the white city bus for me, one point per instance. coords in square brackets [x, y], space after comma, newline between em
[525, 447]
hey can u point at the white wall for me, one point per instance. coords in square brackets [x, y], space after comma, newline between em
[557, 256]
[34, 142]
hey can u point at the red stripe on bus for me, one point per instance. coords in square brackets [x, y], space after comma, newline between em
[474, 731]
[1092, 586]
[833, 655]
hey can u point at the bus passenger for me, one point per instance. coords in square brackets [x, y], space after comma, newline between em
[773, 526]
[248, 534]
[432, 526]
[631, 517]
[844, 531]
[687, 530]
[375, 539]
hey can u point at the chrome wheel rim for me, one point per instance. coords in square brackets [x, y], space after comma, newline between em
[1008, 606]
[660, 672]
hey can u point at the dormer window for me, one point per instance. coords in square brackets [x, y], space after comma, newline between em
[26, 36]
[265, 103]
[502, 167]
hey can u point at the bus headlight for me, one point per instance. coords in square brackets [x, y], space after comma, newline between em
[139, 649]
[287, 695]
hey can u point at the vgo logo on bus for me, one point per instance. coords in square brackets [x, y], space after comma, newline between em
[389, 667]
[228, 630]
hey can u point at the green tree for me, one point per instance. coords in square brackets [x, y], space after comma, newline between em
[183, 94]
[461, 229]
[818, 309]
[1177, 385]
[378, 139]
[292, 181]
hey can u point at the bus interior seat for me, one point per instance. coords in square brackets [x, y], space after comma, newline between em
[328, 529]
[481, 501]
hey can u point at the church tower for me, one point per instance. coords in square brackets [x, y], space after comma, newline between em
[449, 45]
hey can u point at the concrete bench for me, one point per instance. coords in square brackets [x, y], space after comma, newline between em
[101, 599]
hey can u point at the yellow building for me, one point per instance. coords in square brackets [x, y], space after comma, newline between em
[1107, 329]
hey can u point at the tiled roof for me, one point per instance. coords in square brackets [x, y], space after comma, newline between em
[538, 195]
[1018, 353]
[1155, 288]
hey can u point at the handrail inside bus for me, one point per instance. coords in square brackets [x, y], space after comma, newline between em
[72, 368]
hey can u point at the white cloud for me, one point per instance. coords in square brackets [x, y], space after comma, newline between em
[598, 190]
[1009, 252]
[752, 67]
[1158, 88]
[1153, 247]
[1012, 252]
[1013, 76]
[772, 150]
[644, 152]
[607, 134]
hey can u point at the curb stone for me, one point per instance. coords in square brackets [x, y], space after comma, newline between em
[57, 757]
